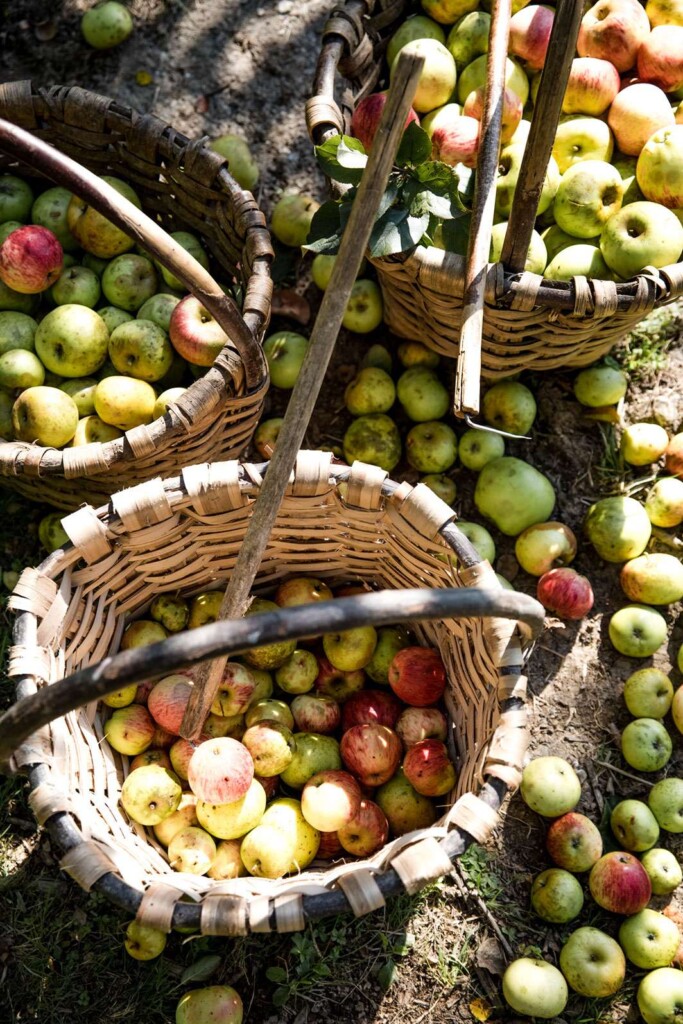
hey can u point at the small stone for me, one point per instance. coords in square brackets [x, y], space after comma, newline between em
[284, 6]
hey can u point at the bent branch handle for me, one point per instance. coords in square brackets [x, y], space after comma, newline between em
[229, 637]
[24, 146]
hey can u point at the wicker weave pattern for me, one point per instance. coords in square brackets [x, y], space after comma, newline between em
[182, 184]
[164, 537]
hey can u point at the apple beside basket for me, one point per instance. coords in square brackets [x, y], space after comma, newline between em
[339, 523]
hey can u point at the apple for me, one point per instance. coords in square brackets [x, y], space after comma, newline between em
[235, 691]
[351, 649]
[619, 883]
[337, 683]
[512, 111]
[506, 181]
[414, 353]
[106, 25]
[16, 198]
[437, 79]
[643, 443]
[584, 260]
[204, 608]
[637, 631]
[390, 640]
[665, 800]
[374, 439]
[291, 219]
[241, 163]
[550, 786]
[582, 138]
[476, 448]
[565, 593]
[530, 30]
[151, 756]
[17, 330]
[637, 112]
[72, 341]
[220, 771]
[367, 115]
[663, 870]
[371, 390]
[268, 851]
[128, 281]
[191, 244]
[599, 386]
[171, 611]
[371, 752]
[613, 30]
[545, 546]
[227, 863]
[330, 848]
[129, 730]
[268, 710]
[556, 896]
[537, 256]
[587, 196]
[180, 753]
[285, 352]
[266, 435]
[93, 231]
[76, 285]
[514, 495]
[652, 579]
[298, 673]
[660, 995]
[370, 706]
[184, 815]
[406, 810]
[142, 633]
[285, 813]
[44, 415]
[158, 308]
[364, 309]
[113, 317]
[574, 842]
[168, 699]
[366, 832]
[313, 752]
[143, 942]
[555, 240]
[330, 799]
[302, 590]
[660, 57]
[149, 794]
[417, 676]
[422, 394]
[634, 825]
[441, 485]
[192, 850]
[20, 369]
[194, 333]
[534, 988]
[673, 457]
[429, 769]
[458, 141]
[31, 259]
[431, 447]
[659, 170]
[234, 818]
[15, 301]
[417, 724]
[592, 87]
[664, 12]
[509, 406]
[649, 939]
[618, 528]
[321, 270]
[417, 27]
[469, 38]
[93, 430]
[270, 656]
[626, 165]
[593, 963]
[664, 502]
[319, 714]
[640, 235]
[648, 693]
[140, 349]
[82, 390]
[474, 75]
[271, 746]
[677, 703]
[480, 539]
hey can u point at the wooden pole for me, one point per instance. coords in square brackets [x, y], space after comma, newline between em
[304, 396]
[539, 147]
[468, 374]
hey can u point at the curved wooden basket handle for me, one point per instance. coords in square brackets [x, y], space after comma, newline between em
[24, 146]
[233, 636]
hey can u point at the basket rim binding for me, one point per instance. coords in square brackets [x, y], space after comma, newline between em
[354, 39]
[289, 911]
[223, 385]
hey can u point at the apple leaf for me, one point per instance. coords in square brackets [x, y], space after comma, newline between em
[397, 231]
[324, 233]
[387, 975]
[455, 233]
[342, 158]
[415, 146]
[277, 974]
[350, 153]
[426, 201]
[201, 970]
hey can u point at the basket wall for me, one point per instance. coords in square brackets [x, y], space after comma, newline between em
[186, 536]
[183, 185]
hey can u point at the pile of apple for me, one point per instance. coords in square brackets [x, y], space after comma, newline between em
[612, 201]
[308, 752]
[622, 882]
[94, 338]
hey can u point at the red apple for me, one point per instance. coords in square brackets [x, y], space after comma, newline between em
[530, 31]
[235, 692]
[330, 799]
[167, 701]
[163, 738]
[660, 59]
[301, 590]
[220, 771]
[637, 112]
[574, 842]
[429, 769]
[180, 754]
[371, 752]
[619, 882]
[417, 676]
[673, 456]
[194, 333]
[367, 832]
[143, 691]
[316, 714]
[152, 756]
[592, 86]
[565, 593]
[613, 30]
[417, 724]
[367, 115]
[457, 142]
[31, 259]
[330, 847]
[333, 682]
[512, 110]
[378, 706]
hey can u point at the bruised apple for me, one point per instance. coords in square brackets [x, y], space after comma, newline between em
[220, 770]
[416, 724]
[167, 701]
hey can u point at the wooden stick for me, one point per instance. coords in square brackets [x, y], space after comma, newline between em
[300, 408]
[468, 375]
[539, 147]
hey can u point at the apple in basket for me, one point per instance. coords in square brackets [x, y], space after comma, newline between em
[367, 115]
[184, 815]
[636, 113]
[330, 800]
[220, 770]
[660, 57]
[530, 31]
[613, 30]
[16, 198]
[149, 794]
[285, 814]
[313, 752]
[367, 831]
[415, 724]
[236, 690]
[298, 673]
[271, 746]
[270, 710]
[316, 713]
[512, 111]
[130, 730]
[302, 590]
[167, 701]
[31, 259]
[93, 231]
[194, 333]
[406, 810]
[76, 284]
[227, 863]
[367, 706]
[618, 882]
[232, 820]
[592, 87]
[336, 683]
[417, 676]
[372, 752]
[192, 850]
[429, 769]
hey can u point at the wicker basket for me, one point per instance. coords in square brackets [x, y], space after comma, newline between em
[339, 523]
[182, 184]
[529, 323]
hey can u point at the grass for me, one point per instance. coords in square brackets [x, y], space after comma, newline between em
[644, 351]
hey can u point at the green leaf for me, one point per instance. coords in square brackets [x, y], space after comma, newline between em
[415, 146]
[280, 996]
[404, 943]
[324, 233]
[389, 198]
[455, 234]
[276, 974]
[387, 975]
[200, 970]
[342, 158]
[396, 231]
[427, 201]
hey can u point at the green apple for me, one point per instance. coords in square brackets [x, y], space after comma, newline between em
[150, 793]
[414, 353]
[140, 349]
[191, 850]
[72, 341]
[235, 819]
[663, 870]
[268, 851]
[313, 752]
[124, 402]
[94, 263]
[665, 800]
[51, 533]
[270, 656]
[128, 281]
[654, 578]
[509, 166]
[476, 448]
[431, 447]
[649, 939]
[241, 163]
[509, 406]
[216, 1003]
[448, 11]
[626, 165]
[7, 228]
[648, 693]
[350, 649]
[297, 674]
[143, 942]
[537, 256]
[440, 117]
[556, 896]
[600, 385]
[76, 284]
[442, 486]
[93, 430]
[371, 390]
[643, 443]
[480, 539]
[417, 27]
[364, 310]
[660, 996]
[191, 244]
[45, 416]
[390, 640]
[637, 631]
[469, 38]
[422, 395]
[593, 963]
[550, 786]
[93, 231]
[582, 138]
[50, 211]
[664, 12]
[474, 75]
[588, 194]
[291, 219]
[660, 167]
[106, 25]
[171, 610]
[20, 369]
[406, 810]
[664, 502]
[321, 270]
[266, 435]
[158, 309]
[618, 528]
[114, 317]
[555, 240]
[165, 399]
[16, 199]
[634, 825]
[640, 235]
[285, 352]
[15, 301]
[374, 439]
[534, 988]
[514, 495]
[438, 76]
[583, 260]
[545, 546]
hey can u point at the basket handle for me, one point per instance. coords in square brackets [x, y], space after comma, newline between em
[233, 636]
[27, 148]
